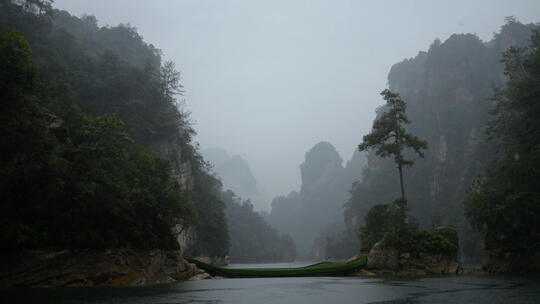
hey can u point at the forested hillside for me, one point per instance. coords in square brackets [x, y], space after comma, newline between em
[97, 150]
[447, 90]
[252, 239]
[504, 203]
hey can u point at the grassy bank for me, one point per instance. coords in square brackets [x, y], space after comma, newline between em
[319, 269]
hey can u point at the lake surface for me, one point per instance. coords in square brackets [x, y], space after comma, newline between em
[312, 290]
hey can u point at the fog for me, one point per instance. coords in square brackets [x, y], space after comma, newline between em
[269, 79]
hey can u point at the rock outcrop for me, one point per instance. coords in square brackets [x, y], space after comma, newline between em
[114, 267]
[502, 258]
[387, 259]
[214, 260]
[500, 262]
[381, 258]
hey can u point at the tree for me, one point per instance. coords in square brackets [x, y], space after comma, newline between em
[389, 137]
[380, 220]
[69, 180]
[505, 204]
[39, 7]
[170, 80]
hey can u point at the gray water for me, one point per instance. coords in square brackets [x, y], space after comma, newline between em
[312, 290]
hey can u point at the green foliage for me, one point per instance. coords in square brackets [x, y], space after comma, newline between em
[120, 193]
[446, 89]
[389, 137]
[70, 180]
[417, 241]
[379, 221]
[252, 239]
[80, 181]
[210, 223]
[387, 223]
[36, 23]
[505, 203]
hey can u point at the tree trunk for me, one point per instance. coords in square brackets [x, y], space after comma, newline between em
[401, 184]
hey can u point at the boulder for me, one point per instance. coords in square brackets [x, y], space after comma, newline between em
[382, 258]
[203, 275]
[429, 260]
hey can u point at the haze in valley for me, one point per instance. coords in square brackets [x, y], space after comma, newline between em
[267, 80]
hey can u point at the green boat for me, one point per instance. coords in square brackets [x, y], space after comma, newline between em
[319, 269]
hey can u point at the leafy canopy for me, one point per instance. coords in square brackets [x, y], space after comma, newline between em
[388, 135]
[69, 180]
[506, 202]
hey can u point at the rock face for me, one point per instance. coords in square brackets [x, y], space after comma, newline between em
[214, 260]
[114, 267]
[498, 262]
[380, 258]
[500, 258]
[429, 264]
[446, 89]
[386, 259]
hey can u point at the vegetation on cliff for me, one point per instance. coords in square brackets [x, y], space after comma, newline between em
[390, 139]
[97, 151]
[505, 203]
[386, 224]
[252, 239]
[389, 224]
[447, 90]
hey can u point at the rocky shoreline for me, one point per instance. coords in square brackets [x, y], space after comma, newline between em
[388, 259]
[132, 267]
[112, 267]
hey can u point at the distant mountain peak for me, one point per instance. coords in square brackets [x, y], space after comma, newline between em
[234, 172]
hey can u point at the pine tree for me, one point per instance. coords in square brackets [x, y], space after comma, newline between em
[389, 137]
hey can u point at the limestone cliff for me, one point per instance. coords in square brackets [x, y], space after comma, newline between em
[447, 90]
[235, 174]
[318, 204]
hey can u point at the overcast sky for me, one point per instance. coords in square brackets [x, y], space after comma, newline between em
[269, 79]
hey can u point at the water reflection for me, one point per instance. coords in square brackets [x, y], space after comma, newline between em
[455, 289]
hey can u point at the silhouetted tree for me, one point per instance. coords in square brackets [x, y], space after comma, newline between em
[390, 138]
[170, 80]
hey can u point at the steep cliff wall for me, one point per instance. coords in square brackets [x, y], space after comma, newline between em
[447, 91]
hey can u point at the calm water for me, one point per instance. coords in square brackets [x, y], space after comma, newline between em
[453, 289]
